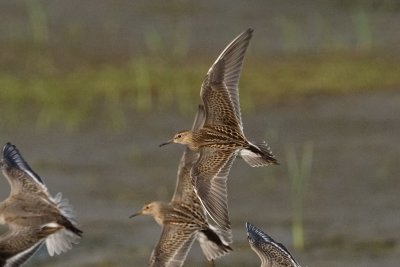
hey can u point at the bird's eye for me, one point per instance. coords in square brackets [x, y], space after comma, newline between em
[179, 136]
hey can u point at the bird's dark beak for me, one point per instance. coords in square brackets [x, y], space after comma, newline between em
[166, 143]
[136, 214]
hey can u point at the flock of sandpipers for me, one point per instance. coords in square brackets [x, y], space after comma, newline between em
[34, 217]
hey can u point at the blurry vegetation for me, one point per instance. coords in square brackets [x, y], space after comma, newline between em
[37, 21]
[299, 171]
[51, 87]
[146, 84]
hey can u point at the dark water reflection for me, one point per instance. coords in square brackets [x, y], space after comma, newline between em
[352, 212]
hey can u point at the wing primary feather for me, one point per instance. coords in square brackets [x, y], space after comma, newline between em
[13, 158]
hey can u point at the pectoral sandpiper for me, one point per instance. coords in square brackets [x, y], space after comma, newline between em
[31, 206]
[271, 253]
[221, 136]
[184, 220]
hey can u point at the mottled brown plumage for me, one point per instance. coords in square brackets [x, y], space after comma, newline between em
[31, 206]
[221, 136]
[20, 243]
[184, 220]
[271, 253]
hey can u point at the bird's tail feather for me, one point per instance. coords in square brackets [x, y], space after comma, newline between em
[62, 240]
[212, 244]
[257, 155]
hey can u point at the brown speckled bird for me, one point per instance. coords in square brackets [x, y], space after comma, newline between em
[30, 205]
[21, 243]
[221, 136]
[184, 220]
[271, 253]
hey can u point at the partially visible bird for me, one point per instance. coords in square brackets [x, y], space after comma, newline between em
[221, 136]
[271, 253]
[21, 243]
[30, 206]
[184, 220]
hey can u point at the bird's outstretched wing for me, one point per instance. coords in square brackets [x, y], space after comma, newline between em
[220, 88]
[209, 177]
[173, 246]
[19, 174]
[271, 253]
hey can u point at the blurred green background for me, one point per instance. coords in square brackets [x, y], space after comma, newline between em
[88, 89]
[63, 60]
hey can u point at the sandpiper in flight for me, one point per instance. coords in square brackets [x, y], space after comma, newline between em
[221, 137]
[30, 205]
[184, 220]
